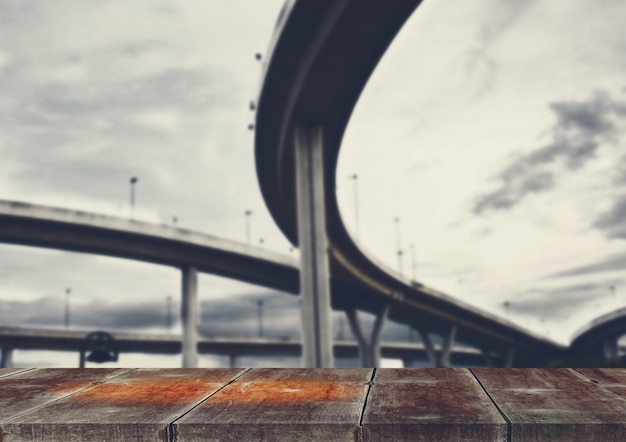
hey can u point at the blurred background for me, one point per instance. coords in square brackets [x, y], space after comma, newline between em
[487, 148]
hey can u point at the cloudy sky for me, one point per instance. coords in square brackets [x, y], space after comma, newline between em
[492, 129]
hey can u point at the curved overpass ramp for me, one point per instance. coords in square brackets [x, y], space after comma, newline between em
[320, 58]
[599, 338]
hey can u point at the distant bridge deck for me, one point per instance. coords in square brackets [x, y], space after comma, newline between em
[313, 404]
[16, 338]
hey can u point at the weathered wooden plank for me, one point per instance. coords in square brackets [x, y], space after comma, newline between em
[136, 406]
[613, 379]
[555, 405]
[11, 371]
[29, 389]
[281, 405]
[605, 376]
[430, 405]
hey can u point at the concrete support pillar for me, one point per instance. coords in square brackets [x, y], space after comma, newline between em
[189, 317]
[446, 349]
[610, 348]
[510, 357]
[443, 358]
[317, 337]
[488, 358]
[429, 347]
[233, 360]
[368, 350]
[6, 361]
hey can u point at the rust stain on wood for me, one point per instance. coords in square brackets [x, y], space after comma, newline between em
[146, 391]
[285, 392]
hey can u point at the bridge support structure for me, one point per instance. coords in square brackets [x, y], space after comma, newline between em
[233, 360]
[369, 350]
[610, 349]
[189, 316]
[506, 359]
[6, 360]
[317, 336]
[442, 358]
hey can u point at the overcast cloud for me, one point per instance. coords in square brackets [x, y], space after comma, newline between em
[581, 128]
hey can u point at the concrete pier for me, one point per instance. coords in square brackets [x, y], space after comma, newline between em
[314, 273]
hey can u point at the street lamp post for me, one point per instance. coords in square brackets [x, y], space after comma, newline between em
[612, 287]
[413, 261]
[248, 213]
[397, 221]
[67, 308]
[354, 178]
[259, 304]
[133, 181]
[169, 314]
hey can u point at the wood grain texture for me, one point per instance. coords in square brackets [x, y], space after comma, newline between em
[281, 405]
[11, 371]
[312, 404]
[430, 405]
[555, 405]
[136, 406]
[26, 390]
[612, 379]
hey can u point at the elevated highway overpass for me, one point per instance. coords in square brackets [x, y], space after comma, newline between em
[41, 226]
[320, 58]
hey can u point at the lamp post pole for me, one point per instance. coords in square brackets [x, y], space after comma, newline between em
[413, 261]
[67, 308]
[399, 245]
[354, 178]
[259, 304]
[169, 314]
[133, 181]
[248, 213]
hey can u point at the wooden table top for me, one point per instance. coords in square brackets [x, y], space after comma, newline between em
[313, 404]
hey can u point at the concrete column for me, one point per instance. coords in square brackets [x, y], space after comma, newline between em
[233, 360]
[446, 347]
[488, 359]
[7, 357]
[610, 349]
[510, 357]
[317, 337]
[189, 317]
[429, 347]
[368, 350]
[357, 331]
[377, 332]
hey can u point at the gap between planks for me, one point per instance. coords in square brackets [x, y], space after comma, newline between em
[171, 427]
[509, 426]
